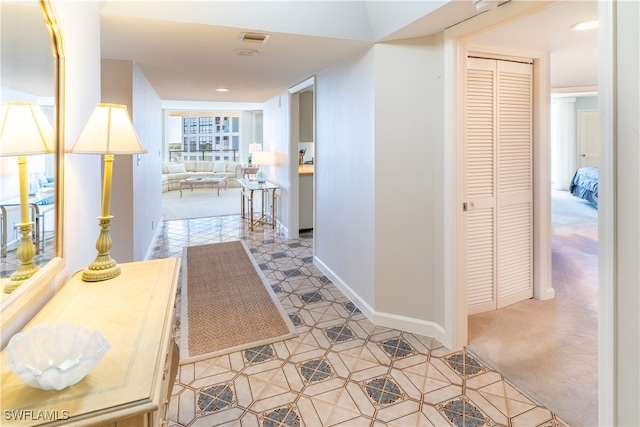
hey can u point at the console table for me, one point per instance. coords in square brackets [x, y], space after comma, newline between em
[131, 385]
[247, 210]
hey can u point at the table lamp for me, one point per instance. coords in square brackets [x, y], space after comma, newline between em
[252, 149]
[262, 158]
[24, 130]
[108, 131]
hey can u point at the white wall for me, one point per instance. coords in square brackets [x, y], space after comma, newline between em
[409, 173]
[627, 206]
[116, 84]
[345, 185]
[276, 138]
[379, 182]
[79, 24]
[147, 175]
[136, 197]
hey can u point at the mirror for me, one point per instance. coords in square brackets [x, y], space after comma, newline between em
[31, 71]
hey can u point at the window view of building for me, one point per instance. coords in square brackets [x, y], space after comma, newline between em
[203, 136]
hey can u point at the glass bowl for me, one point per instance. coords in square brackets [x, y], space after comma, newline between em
[52, 357]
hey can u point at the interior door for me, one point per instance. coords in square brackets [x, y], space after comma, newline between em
[589, 139]
[498, 184]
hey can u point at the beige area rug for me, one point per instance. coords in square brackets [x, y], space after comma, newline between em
[200, 203]
[227, 303]
[549, 349]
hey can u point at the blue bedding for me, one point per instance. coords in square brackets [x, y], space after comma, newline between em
[584, 184]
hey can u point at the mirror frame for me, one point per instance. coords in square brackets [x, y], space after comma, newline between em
[17, 305]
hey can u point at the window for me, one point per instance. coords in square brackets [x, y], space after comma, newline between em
[204, 135]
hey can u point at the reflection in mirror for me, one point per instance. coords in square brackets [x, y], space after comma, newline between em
[28, 74]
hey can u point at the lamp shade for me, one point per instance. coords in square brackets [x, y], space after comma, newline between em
[24, 130]
[108, 131]
[255, 147]
[263, 157]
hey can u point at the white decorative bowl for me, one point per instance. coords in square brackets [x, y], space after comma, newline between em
[52, 357]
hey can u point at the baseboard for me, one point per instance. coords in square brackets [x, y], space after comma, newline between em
[410, 324]
[389, 320]
[363, 305]
[154, 238]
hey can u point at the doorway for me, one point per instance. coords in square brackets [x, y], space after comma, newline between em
[512, 27]
[303, 143]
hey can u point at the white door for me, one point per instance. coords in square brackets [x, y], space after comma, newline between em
[589, 138]
[498, 184]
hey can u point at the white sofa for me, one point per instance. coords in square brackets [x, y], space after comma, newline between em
[174, 172]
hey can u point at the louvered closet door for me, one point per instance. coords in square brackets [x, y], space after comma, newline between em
[498, 184]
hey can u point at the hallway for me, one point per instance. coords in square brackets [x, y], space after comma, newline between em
[341, 369]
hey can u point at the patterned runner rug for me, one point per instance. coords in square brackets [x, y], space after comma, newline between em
[227, 303]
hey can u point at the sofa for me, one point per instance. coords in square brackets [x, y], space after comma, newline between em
[174, 172]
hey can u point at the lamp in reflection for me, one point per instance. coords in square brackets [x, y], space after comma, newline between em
[24, 130]
[263, 158]
[109, 131]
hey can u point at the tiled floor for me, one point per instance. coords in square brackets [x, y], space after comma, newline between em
[341, 369]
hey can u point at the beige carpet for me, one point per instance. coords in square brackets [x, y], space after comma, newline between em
[227, 303]
[199, 203]
[548, 349]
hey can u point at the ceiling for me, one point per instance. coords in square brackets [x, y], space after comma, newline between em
[26, 60]
[573, 54]
[186, 48]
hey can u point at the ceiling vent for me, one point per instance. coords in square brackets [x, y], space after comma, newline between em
[255, 37]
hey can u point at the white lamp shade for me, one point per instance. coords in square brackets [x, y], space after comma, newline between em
[255, 147]
[24, 130]
[263, 157]
[108, 131]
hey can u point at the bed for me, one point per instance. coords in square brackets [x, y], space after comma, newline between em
[584, 184]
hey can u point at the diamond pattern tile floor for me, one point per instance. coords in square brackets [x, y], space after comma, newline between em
[341, 370]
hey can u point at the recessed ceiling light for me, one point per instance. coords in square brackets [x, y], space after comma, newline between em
[222, 89]
[245, 52]
[585, 25]
[483, 5]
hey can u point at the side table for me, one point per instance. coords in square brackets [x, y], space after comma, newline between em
[249, 170]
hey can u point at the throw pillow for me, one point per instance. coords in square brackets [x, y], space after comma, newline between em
[204, 166]
[231, 167]
[219, 167]
[176, 168]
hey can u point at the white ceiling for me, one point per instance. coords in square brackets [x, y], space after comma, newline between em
[573, 54]
[185, 48]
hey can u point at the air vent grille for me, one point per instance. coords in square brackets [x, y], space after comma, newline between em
[255, 37]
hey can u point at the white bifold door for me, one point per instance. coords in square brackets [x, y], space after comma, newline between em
[498, 184]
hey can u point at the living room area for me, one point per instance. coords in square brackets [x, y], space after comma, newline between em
[207, 152]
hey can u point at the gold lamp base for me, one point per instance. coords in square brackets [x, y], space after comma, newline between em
[103, 267]
[100, 270]
[25, 253]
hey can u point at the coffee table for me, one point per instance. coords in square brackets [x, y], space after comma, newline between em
[204, 182]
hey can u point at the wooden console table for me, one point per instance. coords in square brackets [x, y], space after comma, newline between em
[131, 385]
